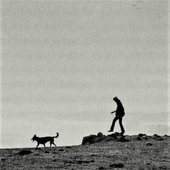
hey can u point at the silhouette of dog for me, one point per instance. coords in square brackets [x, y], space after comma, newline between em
[44, 140]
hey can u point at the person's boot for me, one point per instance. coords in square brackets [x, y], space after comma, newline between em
[122, 133]
[110, 130]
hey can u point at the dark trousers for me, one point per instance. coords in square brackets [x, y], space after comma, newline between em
[120, 123]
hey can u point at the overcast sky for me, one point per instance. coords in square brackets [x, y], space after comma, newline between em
[64, 61]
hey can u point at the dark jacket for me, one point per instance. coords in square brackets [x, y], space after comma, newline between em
[120, 109]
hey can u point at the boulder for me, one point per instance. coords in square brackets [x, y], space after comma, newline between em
[93, 139]
[24, 152]
[89, 139]
[157, 137]
[102, 138]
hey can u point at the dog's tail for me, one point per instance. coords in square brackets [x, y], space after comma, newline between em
[57, 135]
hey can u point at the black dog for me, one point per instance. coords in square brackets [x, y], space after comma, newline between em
[44, 140]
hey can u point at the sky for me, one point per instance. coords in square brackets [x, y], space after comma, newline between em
[64, 61]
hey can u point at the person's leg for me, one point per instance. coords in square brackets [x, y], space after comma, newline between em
[113, 124]
[121, 126]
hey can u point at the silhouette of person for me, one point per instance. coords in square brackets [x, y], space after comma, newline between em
[119, 115]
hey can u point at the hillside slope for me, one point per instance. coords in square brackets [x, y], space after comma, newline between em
[134, 153]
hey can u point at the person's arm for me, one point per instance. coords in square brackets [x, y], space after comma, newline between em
[113, 112]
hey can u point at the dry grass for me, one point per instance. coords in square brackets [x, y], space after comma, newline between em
[144, 154]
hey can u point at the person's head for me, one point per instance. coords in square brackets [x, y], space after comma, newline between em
[115, 98]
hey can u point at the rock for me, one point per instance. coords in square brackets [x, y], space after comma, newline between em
[89, 139]
[24, 152]
[118, 137]
[3, 159]
[139, 138]
[157, 137]
[160, 139]
[102, 138]
[81, 161]
[122, 139]
[142, 136]
[94, 155]
[162, 167]
[115, 135]
[69, 161]
[93, 139]
[54, 160]
[116, 165]
[68, 147]
[109, 139]
[38, 148]
[149, 144]
[100, 134]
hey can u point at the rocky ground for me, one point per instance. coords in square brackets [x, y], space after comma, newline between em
[96, 152]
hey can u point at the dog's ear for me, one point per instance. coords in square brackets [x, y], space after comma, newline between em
[33, 137]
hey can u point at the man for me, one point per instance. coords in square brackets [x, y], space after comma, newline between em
[119, 115]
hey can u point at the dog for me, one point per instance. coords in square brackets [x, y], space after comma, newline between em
[44, 140]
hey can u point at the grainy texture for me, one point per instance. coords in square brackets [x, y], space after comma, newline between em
[135, 154]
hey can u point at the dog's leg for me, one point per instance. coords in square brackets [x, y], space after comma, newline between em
[37, 145]
[51, 142]
[54, 144]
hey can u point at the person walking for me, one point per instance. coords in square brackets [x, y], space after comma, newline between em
[119, 115]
